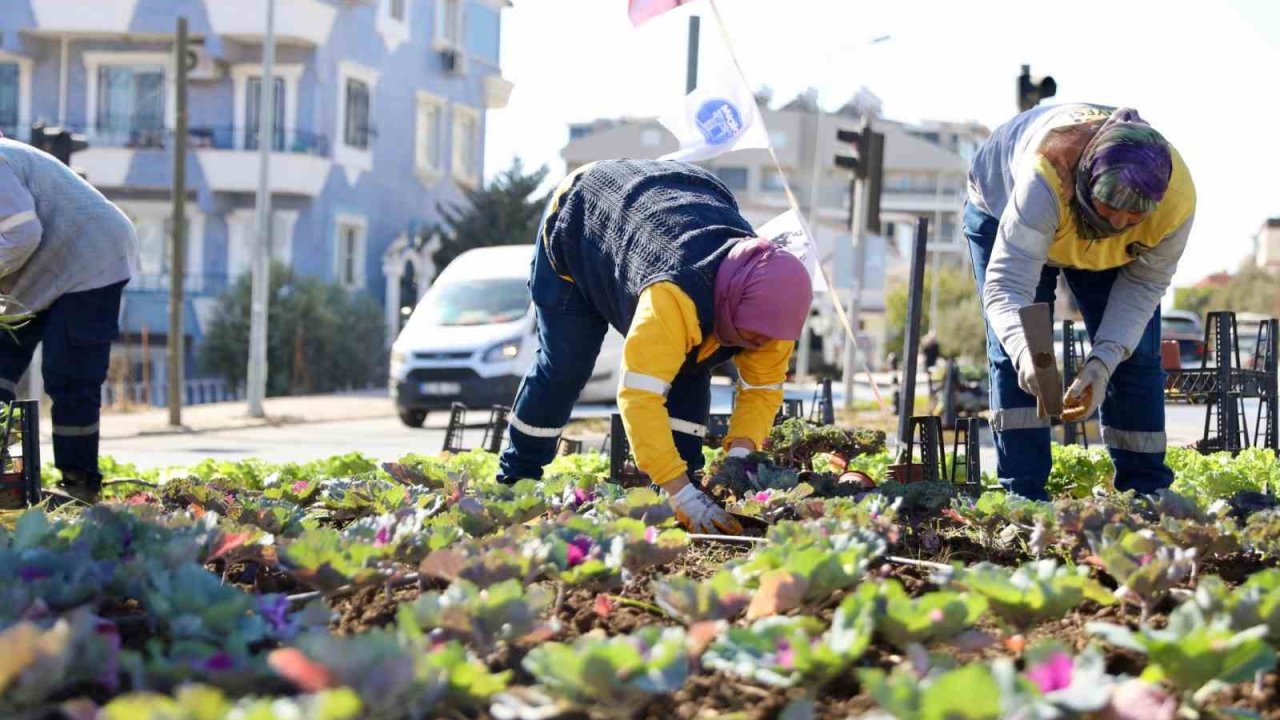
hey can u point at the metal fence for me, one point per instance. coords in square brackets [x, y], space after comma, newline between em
[195, 392]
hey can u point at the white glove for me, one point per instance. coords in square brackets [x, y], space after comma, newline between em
[1085, 395]
[1027, 374]
[700, 514]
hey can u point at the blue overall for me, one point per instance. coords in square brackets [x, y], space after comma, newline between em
[570, 332]
[76, 332]
[1132, 412]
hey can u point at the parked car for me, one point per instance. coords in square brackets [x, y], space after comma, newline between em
[1184, 327]
[473, 336]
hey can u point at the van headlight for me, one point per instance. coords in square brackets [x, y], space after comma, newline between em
[503, 351]
[398, 360]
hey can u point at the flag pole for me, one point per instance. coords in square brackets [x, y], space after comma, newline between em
[795, 205]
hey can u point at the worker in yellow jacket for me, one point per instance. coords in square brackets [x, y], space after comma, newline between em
[658, 250]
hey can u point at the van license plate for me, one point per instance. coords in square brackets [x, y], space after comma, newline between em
[441, 388]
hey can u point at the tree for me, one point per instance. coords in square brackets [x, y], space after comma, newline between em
[1251, 289]
[960, 328]
[321, 337]
[504, 213]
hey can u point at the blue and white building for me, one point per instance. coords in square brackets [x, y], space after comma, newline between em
[380, 119]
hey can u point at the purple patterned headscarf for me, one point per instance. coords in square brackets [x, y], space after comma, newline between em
[1126, 165]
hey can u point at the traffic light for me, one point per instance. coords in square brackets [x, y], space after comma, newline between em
[57, 141]
[861, 142]
[1030, 92]
[866, 162]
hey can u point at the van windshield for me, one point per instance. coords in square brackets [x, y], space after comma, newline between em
[479, 302]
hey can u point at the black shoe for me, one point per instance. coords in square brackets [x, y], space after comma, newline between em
[82, 485]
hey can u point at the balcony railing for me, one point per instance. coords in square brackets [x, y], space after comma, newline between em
[193, 284]
[204, 137]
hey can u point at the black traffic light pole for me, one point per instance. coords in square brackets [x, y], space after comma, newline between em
[867, 166]
[1031, 92]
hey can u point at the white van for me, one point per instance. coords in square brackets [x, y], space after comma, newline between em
[473, 335]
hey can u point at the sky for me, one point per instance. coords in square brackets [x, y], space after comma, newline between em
[1203, 72]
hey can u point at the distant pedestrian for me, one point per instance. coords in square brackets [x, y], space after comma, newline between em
[66, 254]
[929, 349]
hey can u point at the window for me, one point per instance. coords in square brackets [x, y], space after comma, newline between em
[355, 125]
[154, 227]
[349, 270]
[253, 99]
[355, 136]
[242, 237]
[130, 106]
[734, 178]
[429, 136]
[466, 145]
[10, 97]
[449, 24]
[772, 181]
[396, 9]
[393, 22]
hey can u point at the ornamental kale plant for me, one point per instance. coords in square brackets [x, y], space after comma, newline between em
[614, 676]
[691, 601]
[203, 702]
[1255, 603]
[394, 674]
[819, 556]
[932, 617]
[1194, 650]
[785, 651]
[970, 692]
[1033, 593]
[483, 618]
[794, 442]
[1143, 566]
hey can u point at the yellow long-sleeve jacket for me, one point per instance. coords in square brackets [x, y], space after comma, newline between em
[663, 333]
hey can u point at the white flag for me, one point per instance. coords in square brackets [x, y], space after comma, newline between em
[718, 116]
[790, 232]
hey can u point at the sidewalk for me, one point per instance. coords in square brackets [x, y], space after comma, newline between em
[234, 415]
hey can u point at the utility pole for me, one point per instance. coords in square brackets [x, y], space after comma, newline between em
[257, 371]
[691, 70]
[178, 257]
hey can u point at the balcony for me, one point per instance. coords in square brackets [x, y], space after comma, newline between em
[228, 156]
[299, 22]
[77, 16]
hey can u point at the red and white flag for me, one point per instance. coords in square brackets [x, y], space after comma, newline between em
[642, 11]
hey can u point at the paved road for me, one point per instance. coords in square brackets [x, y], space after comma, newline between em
[386, 439]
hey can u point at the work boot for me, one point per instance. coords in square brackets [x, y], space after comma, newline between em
[82, 485]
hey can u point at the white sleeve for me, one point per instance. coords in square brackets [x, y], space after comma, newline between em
[20, 229]
[1134, 297]
[1021, 249]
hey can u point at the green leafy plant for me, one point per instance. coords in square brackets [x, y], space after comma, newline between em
[1194, 650]
[1143, 566]
[784, 651]
[1035, 592]
[613, 675]
[203, 702]
[1079, 472]
[903, 620]
[968, 693]
[691, 601]
[483, 618]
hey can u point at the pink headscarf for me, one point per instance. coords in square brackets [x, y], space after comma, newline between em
[763, 289]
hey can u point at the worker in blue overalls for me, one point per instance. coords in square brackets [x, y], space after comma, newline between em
[659, 251]
[66, 253]
[1096, 194]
